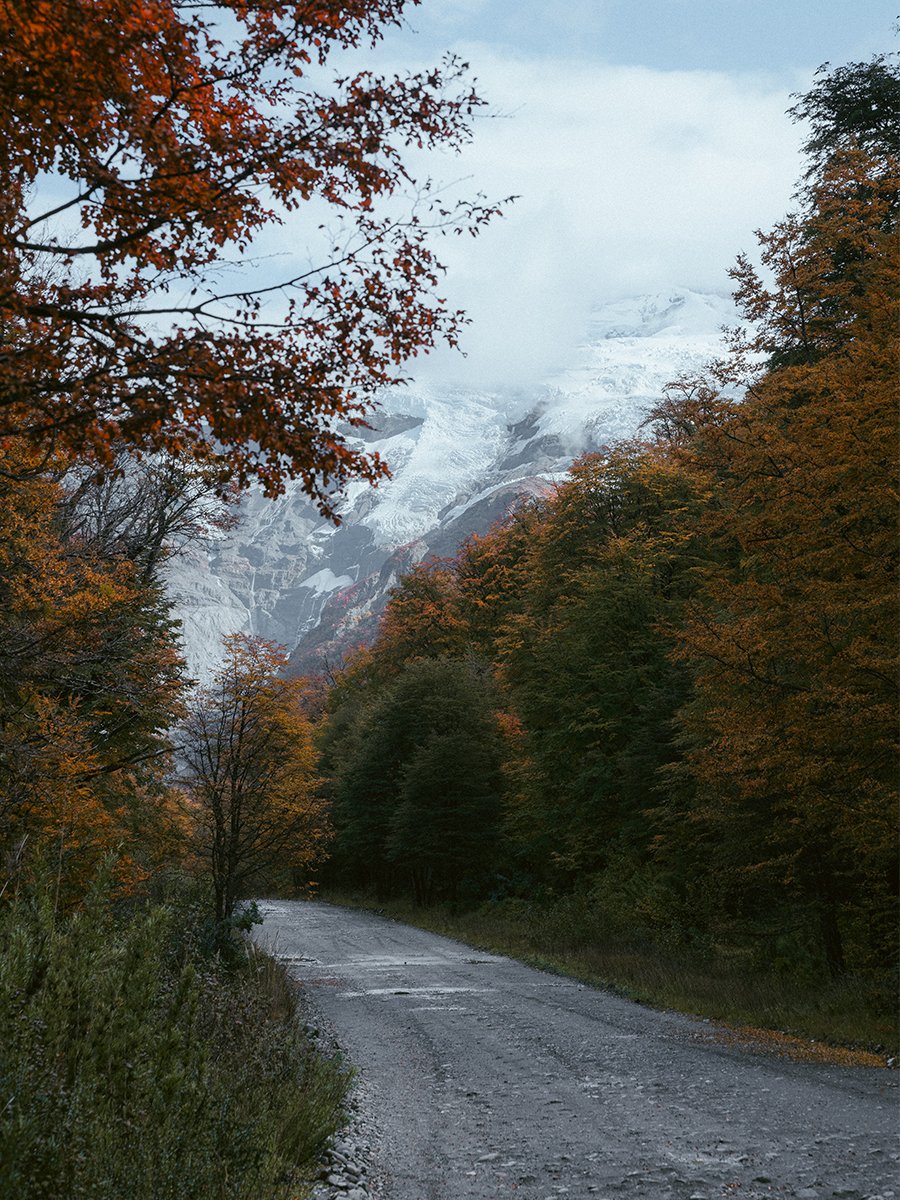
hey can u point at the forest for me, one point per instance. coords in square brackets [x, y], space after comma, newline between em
[658, 703]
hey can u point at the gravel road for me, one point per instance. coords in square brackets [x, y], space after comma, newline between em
[481, 1078]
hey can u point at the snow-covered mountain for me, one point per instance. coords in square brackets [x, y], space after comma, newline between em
[460, 457]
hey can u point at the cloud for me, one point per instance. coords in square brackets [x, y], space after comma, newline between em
[630, 180]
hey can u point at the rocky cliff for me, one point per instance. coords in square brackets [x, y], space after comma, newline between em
[460, 457]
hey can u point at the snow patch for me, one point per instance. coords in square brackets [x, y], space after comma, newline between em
[450, 448]
[326, 581]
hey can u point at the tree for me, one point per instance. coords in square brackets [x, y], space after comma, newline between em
[147, 510]
[363, 749]
[421, 618]
[138, 142]
[250, 774]
[445, 823]
[585, 659]
[90, 682]
[418, 790]
[493, 576]
[791, 735]
[853, 106]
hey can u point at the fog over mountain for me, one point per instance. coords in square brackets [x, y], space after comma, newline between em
[460, 458]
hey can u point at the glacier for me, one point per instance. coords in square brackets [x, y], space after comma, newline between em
[460, 457]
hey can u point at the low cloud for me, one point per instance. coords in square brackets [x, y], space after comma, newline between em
[630, 180]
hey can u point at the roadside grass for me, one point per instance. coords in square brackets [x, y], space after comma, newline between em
[136, 1062]
[851, 1020]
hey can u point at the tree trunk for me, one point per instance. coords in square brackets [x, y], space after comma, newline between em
[831, 938]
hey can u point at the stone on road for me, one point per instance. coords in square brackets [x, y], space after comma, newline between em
[486, 1079]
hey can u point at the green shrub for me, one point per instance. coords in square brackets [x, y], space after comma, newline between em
[131, 1064]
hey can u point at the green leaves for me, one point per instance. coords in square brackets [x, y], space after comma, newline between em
[132, 1065]
[417, 800]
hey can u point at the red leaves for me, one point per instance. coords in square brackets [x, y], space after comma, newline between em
[166, 135]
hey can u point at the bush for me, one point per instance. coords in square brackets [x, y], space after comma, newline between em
[133, 1064]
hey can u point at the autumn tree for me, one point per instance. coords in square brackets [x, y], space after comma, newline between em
[90, 682]
[249, 773]
[144, 142]
[563, 604]
[421, 619]
[792, 639]
[493, 576]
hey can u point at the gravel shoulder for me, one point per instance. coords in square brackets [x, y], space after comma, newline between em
[481, 1078]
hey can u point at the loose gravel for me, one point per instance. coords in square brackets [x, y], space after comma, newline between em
[480, 1078]
[348, 1169]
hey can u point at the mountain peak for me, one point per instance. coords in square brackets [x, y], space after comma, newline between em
[677, 312]
[461, 457]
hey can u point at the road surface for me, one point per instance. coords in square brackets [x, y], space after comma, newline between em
[488, 1079]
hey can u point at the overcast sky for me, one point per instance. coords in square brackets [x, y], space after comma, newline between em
[646, 138]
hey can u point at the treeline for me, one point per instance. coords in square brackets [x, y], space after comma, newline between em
[669, 687]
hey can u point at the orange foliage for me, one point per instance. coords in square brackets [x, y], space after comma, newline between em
[89, 680]
[253, 793]
[794, 633]
[493, 573]
[172, 132]
[421, 619]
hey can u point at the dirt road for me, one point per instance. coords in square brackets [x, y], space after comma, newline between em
[487, 1079]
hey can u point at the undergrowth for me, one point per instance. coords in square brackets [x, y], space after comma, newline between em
[137, 1060]
[565, 937]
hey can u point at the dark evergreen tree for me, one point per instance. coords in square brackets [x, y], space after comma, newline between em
[587, 663]
[853, 106]
[417, 796]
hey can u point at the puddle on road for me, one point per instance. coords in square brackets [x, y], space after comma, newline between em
[372, 963]
[385, 962]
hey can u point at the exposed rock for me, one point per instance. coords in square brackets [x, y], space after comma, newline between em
[460, 457]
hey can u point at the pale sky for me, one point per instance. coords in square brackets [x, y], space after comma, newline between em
[646, 139]
[774, 36]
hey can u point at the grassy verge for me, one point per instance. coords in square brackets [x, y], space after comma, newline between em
[850, 1020]
[136, 1062]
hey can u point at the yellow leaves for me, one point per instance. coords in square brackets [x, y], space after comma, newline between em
[254, 804]
[88, 682]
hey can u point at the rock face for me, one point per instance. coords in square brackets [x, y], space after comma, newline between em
[460, 458]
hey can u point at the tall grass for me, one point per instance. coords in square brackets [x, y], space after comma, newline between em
[135, 1063]
[570, 936]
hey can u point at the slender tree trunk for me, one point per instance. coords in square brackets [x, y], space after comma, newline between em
[832, 942]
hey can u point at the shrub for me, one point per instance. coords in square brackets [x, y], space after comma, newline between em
[133, 1064]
